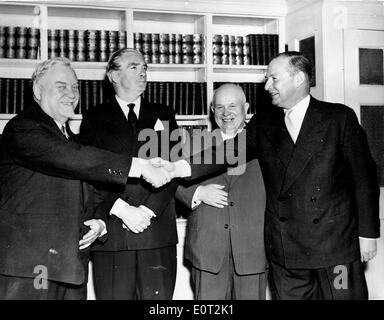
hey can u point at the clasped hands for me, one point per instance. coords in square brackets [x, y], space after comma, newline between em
[159, 172]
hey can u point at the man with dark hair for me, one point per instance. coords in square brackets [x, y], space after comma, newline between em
[134, 263]
[322, 211]
[46, 224]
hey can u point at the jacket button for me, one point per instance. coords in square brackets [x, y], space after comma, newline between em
[315, 221]
[231, 203]
[226, 226]
[282, 219]
[313, 199]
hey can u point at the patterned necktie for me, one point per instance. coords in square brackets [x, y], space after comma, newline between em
[64, 131]
[132, 118]
[290, 125]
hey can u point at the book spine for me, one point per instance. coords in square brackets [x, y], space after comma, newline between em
[147, 47]
[80, 40]
[239, 46]
[155, 43]
[63, 40]
[122, 39]
[179, 49]
[3, 41]
[103, 45]
[172, 48]
[33, 43]
[164, 48]
[197, 48]
[246, 51]
[11, 42]
[92, 45]
[52, 43]
[71, 45]
[21, 42]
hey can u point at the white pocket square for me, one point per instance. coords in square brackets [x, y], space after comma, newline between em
[158, 125]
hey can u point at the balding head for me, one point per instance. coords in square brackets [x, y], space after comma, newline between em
[229, 107]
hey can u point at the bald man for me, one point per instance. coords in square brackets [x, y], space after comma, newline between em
[225, 237]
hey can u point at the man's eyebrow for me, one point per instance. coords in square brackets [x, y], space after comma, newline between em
[60, 82]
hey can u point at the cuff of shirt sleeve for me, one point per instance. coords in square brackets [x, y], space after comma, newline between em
[135, 171]
[183, 169]
[367, 238]
[117, 207]
[195, 199]
[105, 231]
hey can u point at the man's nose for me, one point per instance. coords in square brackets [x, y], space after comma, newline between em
[267, 84]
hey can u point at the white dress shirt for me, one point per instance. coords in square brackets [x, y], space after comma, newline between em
[296, 115]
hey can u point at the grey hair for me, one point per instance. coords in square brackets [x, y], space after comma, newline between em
[42, 68]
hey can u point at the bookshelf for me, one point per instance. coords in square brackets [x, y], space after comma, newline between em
[156, 18]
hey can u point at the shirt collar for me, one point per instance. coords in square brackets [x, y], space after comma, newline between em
[302, 105]
[124, 105]
[227, 136]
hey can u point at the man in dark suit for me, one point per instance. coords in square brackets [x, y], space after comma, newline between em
[225, 243]
[43, 204]
[322, 212]
[133, 264]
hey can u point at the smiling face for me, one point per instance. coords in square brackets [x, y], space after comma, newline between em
[131, 78]
[57, 92]
[229, 108]
[283, 85]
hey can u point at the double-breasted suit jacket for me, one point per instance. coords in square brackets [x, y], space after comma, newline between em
[42, 200]
[322, 192]
[106, 126]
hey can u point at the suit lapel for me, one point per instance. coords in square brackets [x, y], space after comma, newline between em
[312, 131]
[117, 122]
[279, 137]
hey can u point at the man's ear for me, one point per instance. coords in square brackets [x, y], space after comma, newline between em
[246, 107]
[114, 77]
[37, 91]
[299, 78]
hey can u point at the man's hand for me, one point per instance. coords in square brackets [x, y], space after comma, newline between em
[213, 195]
[368, 249]
[97, 228]
[177, 169]
[134, 219]
[155, 174]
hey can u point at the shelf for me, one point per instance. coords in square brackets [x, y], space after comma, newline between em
[145, 17]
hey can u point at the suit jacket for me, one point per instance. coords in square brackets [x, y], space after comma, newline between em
[322, 192]
[106, 126]
[42, 200]
[210, 230]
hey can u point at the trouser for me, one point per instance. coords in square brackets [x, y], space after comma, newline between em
[227, 284]
[135, 274]
[340, 282]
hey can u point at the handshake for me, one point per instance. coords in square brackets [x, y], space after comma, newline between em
[159, 172]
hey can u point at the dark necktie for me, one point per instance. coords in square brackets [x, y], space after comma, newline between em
[64, 131]
[132, 118]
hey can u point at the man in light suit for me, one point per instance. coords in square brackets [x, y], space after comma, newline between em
[44, 212]
[133, 264]
[225, 232]
[322, 211]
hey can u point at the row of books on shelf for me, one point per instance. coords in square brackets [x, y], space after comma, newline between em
[19, 42]
[165, 48]
[85, 45]
[253, 49]
[170, 48]
[185, 98]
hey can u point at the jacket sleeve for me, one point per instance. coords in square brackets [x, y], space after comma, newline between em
[363, 169]
[37, 147]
